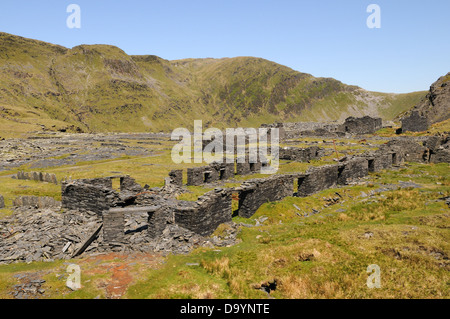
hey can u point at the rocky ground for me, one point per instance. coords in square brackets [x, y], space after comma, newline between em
[69, 149]
[45, 235]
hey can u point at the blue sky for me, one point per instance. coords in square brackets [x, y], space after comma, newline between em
[326, 38]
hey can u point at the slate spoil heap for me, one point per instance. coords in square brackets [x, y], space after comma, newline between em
[46, 235]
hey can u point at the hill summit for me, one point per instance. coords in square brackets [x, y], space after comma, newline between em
[99, 88]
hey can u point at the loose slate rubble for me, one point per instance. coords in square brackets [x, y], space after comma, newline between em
[41, 152]
[40, 235]
[46, 235]
[28, 288]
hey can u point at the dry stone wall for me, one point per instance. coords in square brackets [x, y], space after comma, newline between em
[254, 193]
[362, 125]
[352, 170]
[415, 123]
[317, 179]
[37, 176]
[176, 177]
[35, 202]
[301, 154]
[94, 195]
[207, 213]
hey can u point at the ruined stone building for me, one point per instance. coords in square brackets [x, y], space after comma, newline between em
[362, 125]
[415, 123]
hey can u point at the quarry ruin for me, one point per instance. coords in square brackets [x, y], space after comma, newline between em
[100, 216]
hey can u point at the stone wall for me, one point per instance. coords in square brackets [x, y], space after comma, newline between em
[95, 195]
[158, 218]
[415, 123]
[206, 214]
[128, 184]
[352, 125]
[352, 170]
[440, 156]
[439, 149]
[379, 162]
[243, 168]
[317, 179]
[114, 222]
[196, 176]
[176, 177]
[2, 202]
[407, 149]
[37, 176]
[254, 193]
[301, 154]
[362, 125]
[113, 226]
[35, 202]
[214, 172]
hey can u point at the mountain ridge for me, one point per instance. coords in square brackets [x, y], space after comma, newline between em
[100, 88]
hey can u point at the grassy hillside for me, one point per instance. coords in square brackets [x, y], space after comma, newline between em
[99, 88]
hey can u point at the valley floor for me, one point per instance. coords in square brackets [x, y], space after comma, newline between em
[314, 247]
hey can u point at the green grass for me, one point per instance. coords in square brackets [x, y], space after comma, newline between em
[325, 255]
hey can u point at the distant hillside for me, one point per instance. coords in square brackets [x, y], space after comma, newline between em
[436, 104]
[99, 88]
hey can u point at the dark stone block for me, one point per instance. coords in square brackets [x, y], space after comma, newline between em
[318, 179]
[204, 216]
[440, 156]
[301, 154]
[195, 176]
[128, 184]
[352, 170]
[415, 123]
[362, 125]
[176, 177]
[254, 193]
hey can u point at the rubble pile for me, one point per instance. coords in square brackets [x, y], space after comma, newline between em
[46, 235]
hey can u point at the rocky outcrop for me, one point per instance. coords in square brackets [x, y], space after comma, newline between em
[436, 104]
